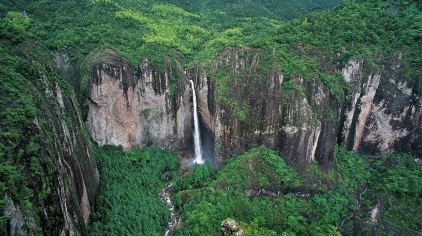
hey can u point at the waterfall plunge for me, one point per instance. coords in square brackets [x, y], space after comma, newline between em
[196, 136]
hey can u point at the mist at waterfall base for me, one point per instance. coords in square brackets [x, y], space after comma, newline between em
[207, 147]
[202, 139]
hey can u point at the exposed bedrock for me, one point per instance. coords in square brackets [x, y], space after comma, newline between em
[382, 111]
[300, 123]
[62, 173]
[257, 105]
[141, 107]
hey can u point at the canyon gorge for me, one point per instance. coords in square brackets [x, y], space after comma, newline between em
[380, 114]
[171, 117]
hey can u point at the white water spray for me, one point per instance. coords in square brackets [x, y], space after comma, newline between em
[196, 136]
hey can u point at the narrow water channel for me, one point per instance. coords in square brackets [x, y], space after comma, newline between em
[165, 196]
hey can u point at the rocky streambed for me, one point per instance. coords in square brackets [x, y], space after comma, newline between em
[165, 196]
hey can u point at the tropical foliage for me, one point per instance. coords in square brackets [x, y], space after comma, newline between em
[128, 202]
[267, 197]
[257, 188]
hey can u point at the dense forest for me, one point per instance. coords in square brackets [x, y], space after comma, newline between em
[130, 185]
[51, 168]
[266, 197]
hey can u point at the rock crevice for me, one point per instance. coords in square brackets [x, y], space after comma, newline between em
[257, 105]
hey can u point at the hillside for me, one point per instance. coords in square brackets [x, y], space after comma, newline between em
[309, 114]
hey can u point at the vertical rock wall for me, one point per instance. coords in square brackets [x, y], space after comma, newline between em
[293, 121]
[55, 157]
[77, 175]
[141, 107]
[256, 105]
[382, 112]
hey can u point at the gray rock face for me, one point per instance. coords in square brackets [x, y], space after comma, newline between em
[61, 184]
[19, 224]
[77, 177]
[231, 227]
[291, 121]
[205, 93]
[128, 108]
[382, 112]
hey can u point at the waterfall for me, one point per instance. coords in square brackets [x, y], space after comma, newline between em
[196, 136]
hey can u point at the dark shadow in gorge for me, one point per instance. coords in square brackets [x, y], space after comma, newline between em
[207, 142]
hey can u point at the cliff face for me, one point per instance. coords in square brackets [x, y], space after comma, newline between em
[53, 155]
[298, 119]
[140, 107]
[382, 112]
[243, 100]
[77, 177]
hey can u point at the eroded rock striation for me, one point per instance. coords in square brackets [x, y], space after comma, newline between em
[382, 111]
[55, 157]
[139, 107]
[259, 109]
[244, 100]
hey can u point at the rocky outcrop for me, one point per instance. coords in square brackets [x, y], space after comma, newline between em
[382, 111]
[19, 223]
[205, 93]
[296, 119]
[244, 100]
[77, 177]
[231, 227]
[53, 157]
[140, 107]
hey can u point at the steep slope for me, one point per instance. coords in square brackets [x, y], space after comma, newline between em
[256, 104]
[379, 113]
[348, 76]
[315, 81]
[264, 196]
[48, 175]
[142, 107]
[280, 10]
[300, 89]
[382, 112]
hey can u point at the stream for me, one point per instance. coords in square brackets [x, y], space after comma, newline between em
[356, 210]
[174, 218]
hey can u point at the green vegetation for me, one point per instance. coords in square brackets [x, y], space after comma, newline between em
[136, 28]
[15, 121]
[280, 10]
[267, 197]
[194, 32]
[396, 181]
[22, 158]
[14, 26]
[257, 188]
[31, 133]
[128, 202]
[258, 168]
[261, 192]
[392, 183]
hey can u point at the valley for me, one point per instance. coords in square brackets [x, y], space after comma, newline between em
[246, 117]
